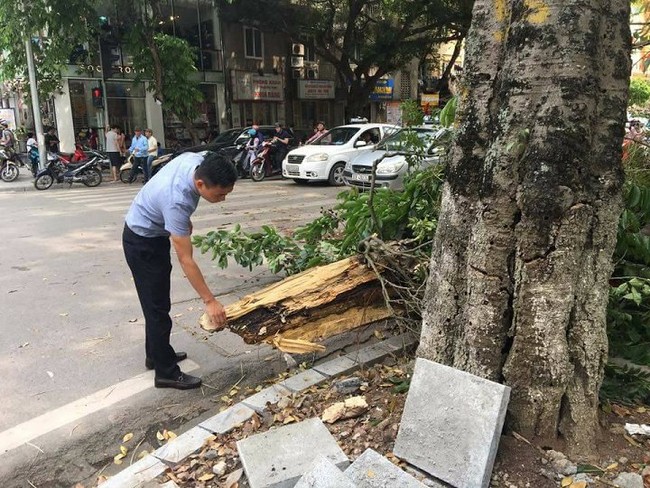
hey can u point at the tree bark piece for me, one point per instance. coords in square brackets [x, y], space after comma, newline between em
[518, 286]
[314, 304]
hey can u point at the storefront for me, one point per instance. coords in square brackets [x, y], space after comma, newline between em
[315, 103]
[257, 99]
[380, 97]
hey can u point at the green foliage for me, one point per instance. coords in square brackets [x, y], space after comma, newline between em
[448, 113]
[173, 82]
[625, 384]
[56, 27]
[639, 91]
[337, 233]
[412, 114]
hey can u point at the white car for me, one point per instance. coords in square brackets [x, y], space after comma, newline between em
[326, 157]
[392, 169]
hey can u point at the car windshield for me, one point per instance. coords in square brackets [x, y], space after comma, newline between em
[226, 136]
[336, 137]
[401, 139]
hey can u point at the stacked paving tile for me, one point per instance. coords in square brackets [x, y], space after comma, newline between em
[449, 432]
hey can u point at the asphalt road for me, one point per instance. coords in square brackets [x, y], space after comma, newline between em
[72, 338]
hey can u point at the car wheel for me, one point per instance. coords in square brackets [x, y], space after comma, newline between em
[336, 175]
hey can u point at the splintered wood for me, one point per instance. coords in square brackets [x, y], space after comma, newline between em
[309, 306]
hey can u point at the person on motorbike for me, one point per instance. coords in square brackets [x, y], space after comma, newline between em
[280, 143]
[7, 139]
[32, 152]
[252, 146]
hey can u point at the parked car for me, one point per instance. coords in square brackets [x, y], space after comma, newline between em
[391, 171]
[326, 157]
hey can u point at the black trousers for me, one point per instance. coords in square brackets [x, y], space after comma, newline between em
[151, 266]
[142, 164]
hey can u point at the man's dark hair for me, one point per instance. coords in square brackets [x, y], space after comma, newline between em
[216, 170]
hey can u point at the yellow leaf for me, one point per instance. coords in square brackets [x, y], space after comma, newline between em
[171, 435]
[127, 437]
[641, 409]
[225, 398]
[206, 477]
[233, 392]
[611, 467]
[566, 481]
[117, 459]
[123, 450]
[379, 335]
[578, 484]
[159, 436]
[143, 454]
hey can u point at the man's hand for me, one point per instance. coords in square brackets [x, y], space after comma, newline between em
[217, 314]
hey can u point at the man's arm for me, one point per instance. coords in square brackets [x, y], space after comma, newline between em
[214, 309]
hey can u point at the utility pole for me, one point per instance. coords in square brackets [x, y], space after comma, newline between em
[38, 124]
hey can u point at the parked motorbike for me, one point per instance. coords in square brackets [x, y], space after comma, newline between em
[86, 172]
[156, 165]
[268, 161]
[78, 155]
[8, 167]
[241, 151]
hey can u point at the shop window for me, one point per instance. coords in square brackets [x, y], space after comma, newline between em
[253, 43]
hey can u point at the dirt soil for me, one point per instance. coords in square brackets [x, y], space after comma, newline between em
[384, 386]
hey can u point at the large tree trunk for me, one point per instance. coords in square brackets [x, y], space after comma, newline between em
[519, 272]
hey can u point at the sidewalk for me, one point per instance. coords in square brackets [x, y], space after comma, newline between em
[24, 182]
[197, 432]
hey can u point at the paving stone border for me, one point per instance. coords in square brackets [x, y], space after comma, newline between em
[186, 444]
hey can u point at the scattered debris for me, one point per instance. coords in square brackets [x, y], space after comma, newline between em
[348, 409]
[637, 429]
[347, 386]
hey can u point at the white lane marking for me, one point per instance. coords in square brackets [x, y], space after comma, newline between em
[27, 431]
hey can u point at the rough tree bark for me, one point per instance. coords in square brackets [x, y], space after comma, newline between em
[519, 272]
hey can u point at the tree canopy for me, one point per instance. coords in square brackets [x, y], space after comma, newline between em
[363, 39]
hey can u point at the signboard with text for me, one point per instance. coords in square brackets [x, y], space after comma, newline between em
[9, 116]
[429, 101]
[250, 86]
[316, 89]
[383, 90]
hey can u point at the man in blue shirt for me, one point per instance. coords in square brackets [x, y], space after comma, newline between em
[140, 150]
[161, 213]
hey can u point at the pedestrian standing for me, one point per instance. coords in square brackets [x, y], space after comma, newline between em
[139, 148]
[161, 213]
[152, 151]
[52, 141]
[121, 142]
[113, 150]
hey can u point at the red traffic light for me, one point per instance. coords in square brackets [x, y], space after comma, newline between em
[98, 97]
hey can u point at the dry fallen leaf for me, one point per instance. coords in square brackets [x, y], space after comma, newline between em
[611, 467]
[123, 450]
[566, 481]
[206, 477]
[133, 320]
[127, 437]
[578, 484]
[159, 436]
[233, 478]
[117, 459]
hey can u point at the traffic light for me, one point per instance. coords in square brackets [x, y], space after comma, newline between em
[98, 97]
[109, 51]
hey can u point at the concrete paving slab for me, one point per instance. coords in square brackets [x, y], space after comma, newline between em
[372, 470]
[323, 474]
[137, 474]
[279, 457]
[371, 354]
[401, 341]
[228, 419]
[185, 444]
[337, 366]
[272, 395]
[169, 484]
[304, 380]
[451, 424]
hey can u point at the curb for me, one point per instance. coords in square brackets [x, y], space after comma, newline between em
[191, 441]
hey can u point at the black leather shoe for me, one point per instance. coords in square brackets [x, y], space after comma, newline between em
[148, 362]
[183, 382]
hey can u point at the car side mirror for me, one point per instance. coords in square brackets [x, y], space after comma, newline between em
[360, 143]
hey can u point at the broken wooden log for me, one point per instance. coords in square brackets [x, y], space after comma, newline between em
[312, 305]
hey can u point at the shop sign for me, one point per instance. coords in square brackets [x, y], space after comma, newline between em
[383, 90]
[316, 89]
[429, 101]
[249, 86]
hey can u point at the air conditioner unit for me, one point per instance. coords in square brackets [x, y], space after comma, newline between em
[311, 73]
[296, 73]
[297, 61]
[297, 49]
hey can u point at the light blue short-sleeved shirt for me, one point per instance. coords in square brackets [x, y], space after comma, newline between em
[165, 204]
